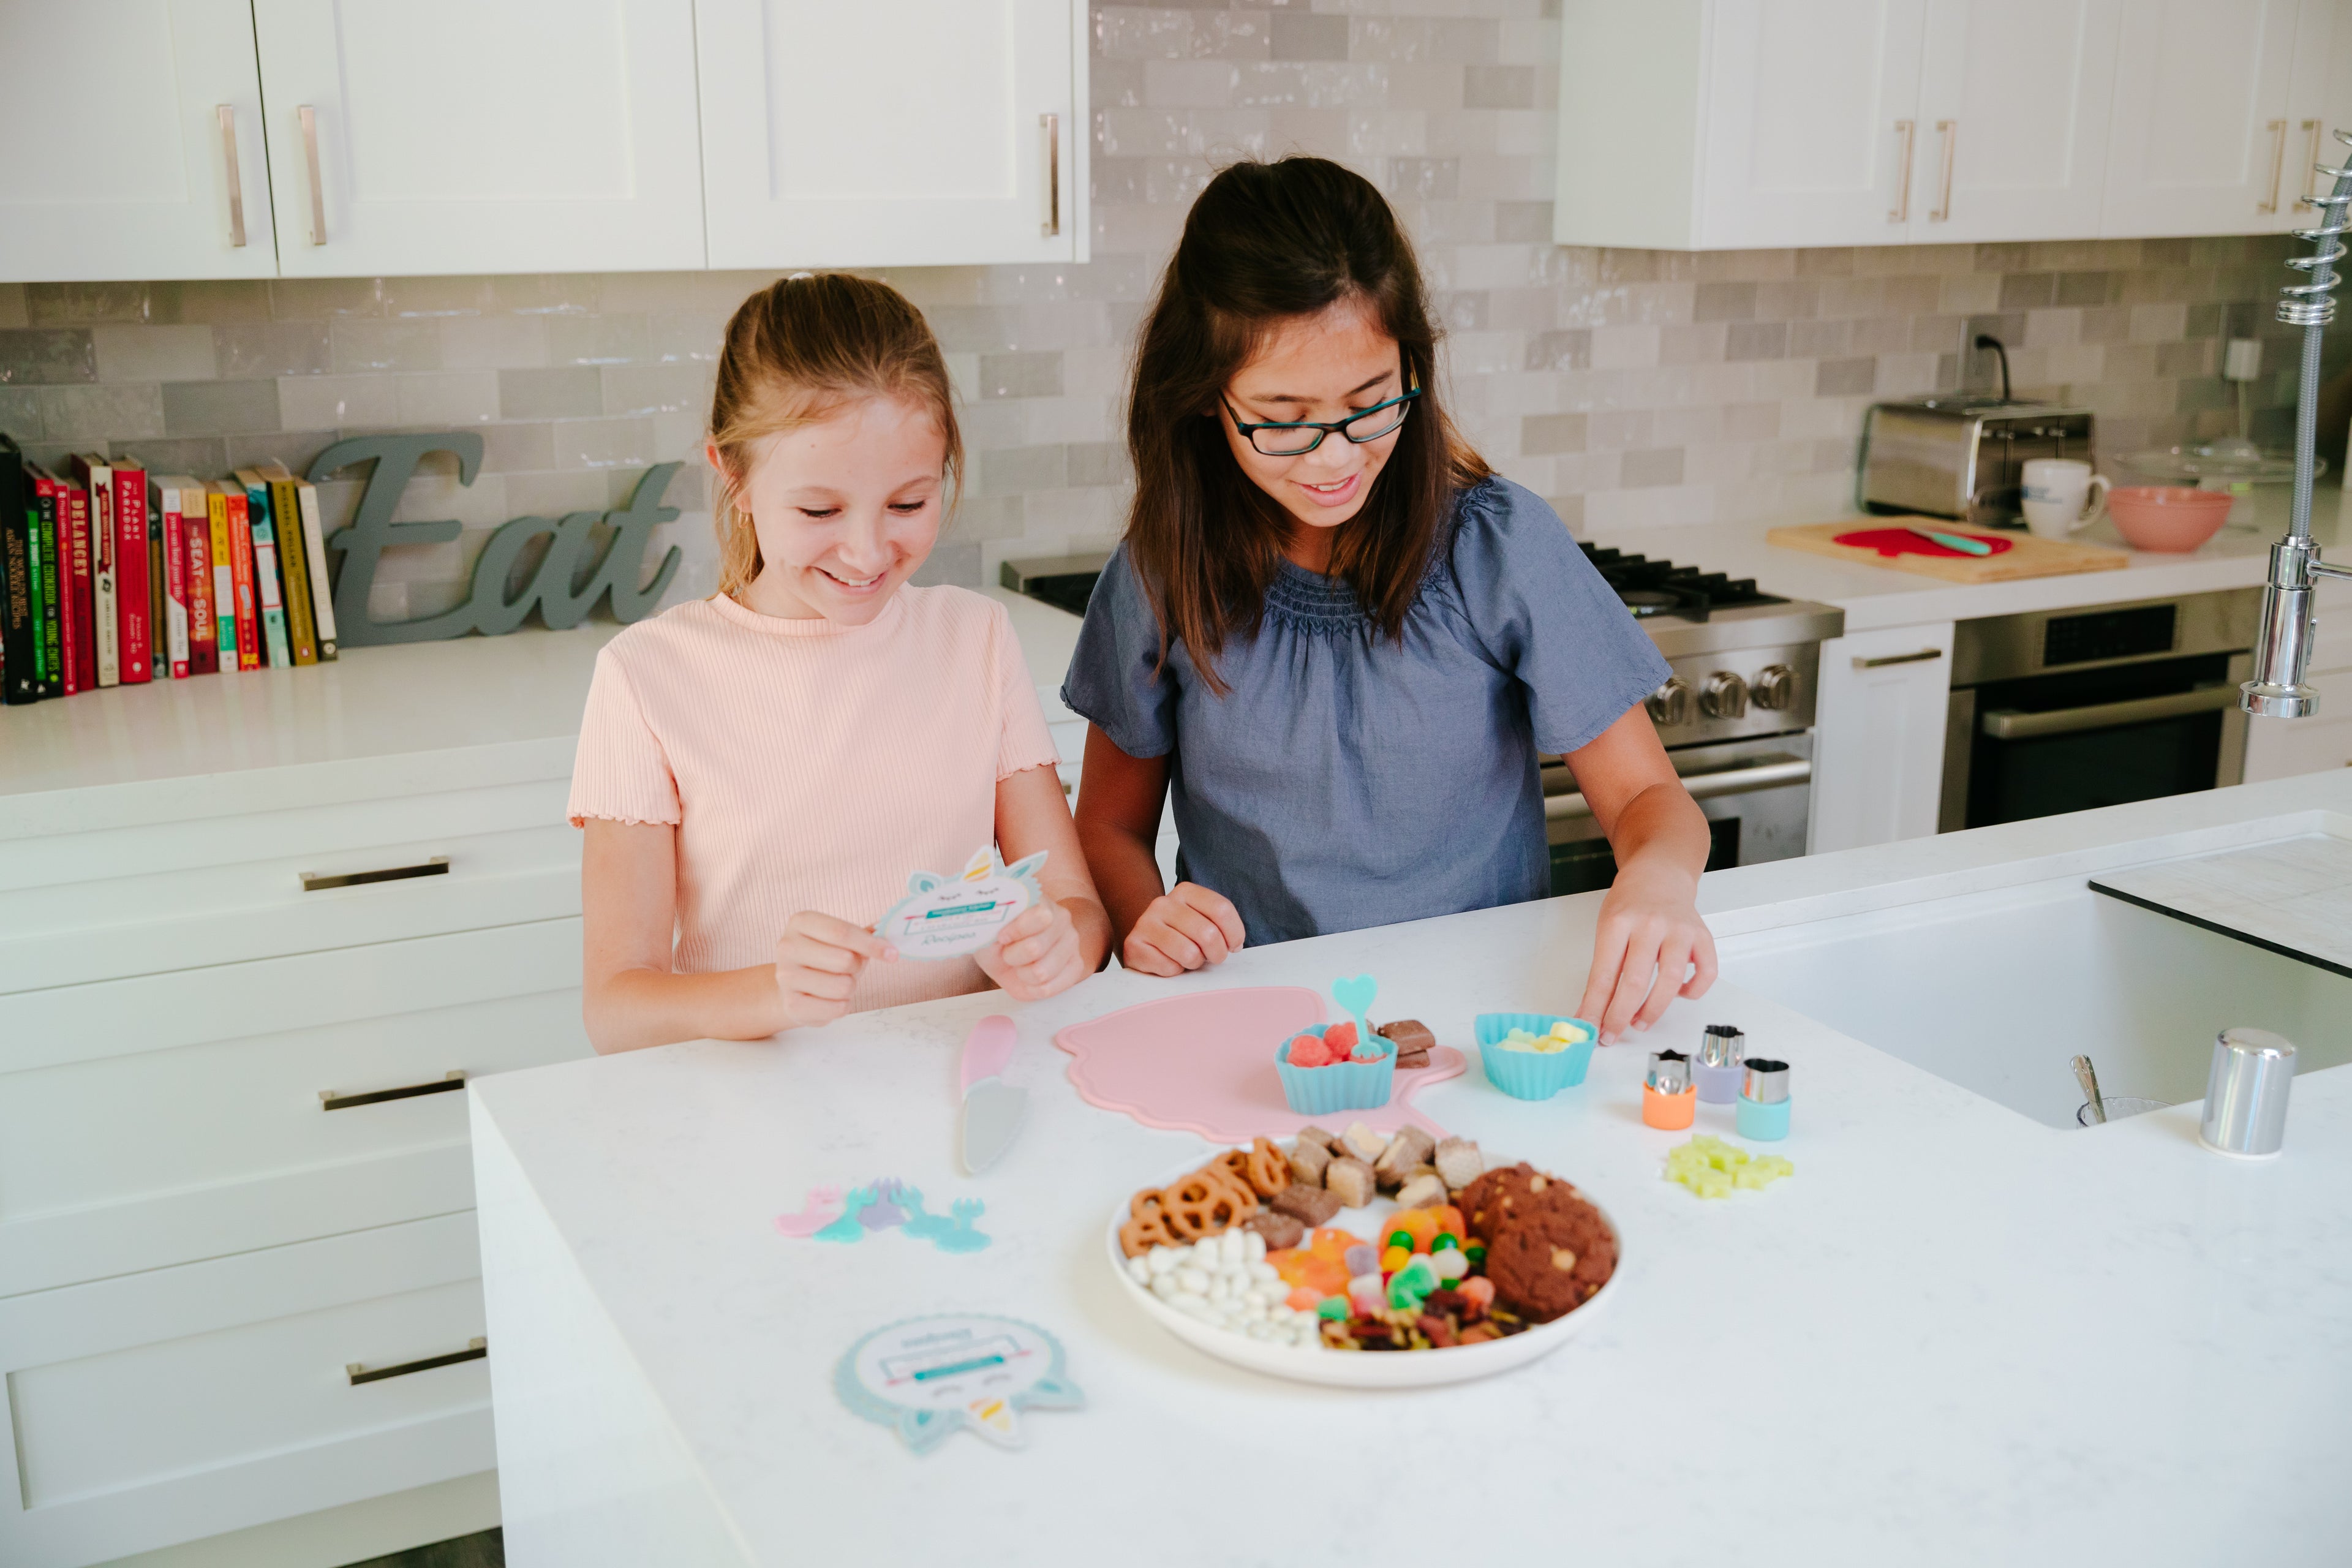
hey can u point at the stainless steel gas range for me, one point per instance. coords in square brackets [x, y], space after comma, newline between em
[1736, 715]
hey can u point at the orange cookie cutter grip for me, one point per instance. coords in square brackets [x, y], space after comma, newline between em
[1669, 1097]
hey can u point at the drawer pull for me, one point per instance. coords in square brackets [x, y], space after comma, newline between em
[315, 882]
[1922, 656]
[330, 1100]
[475, 1351]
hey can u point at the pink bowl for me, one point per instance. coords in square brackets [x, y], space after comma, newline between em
[2167, 517]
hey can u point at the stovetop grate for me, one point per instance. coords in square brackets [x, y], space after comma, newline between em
[1662, 588]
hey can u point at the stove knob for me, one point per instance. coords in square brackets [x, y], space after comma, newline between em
[1670, 704]
[1724, 695]
[1775, 688]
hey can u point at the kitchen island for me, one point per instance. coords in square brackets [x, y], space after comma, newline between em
[1955, 1335]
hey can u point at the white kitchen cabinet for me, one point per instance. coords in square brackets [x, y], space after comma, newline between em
[2206, 136]
[2014, 101]
[2282, 748]
[1879, 736]
[893, 132]
[435, 136]
[160, 106]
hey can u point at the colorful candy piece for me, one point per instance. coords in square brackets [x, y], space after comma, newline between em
[1332, 1243]
[1341, 1036]
[1366, 1293]
[1303, 1299]
[1410, 1285]
[1361, 1258]
[1290, 1263]
[1445, 1243]
[1306, 1051]
[1418, 1226]
[1450, 1221]
[1449, 1264]
[1332, 1309]
[1478, 1290]
[1394, 1258]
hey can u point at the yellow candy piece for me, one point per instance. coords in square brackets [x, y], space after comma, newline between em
[1395, 1257]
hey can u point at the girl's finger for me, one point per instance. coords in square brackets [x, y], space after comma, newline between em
[1608, 958]
[1138, 955]
[1674, 963]
[1181, 949]
[805, 952]
[1703, 963]
[1640, 966]
[835, 932]
[823, 984]
[1206, 935]
[1220, 910]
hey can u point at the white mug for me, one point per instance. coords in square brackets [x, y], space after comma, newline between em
[2061, 495]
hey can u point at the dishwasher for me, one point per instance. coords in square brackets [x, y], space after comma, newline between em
[2058, 710]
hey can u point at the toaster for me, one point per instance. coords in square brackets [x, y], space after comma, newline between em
[1963, 456]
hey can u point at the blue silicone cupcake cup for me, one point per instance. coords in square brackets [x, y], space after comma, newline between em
[1342, 1086]
[1531, 1075]
[1764, 1123]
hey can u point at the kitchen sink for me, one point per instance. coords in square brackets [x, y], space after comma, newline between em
[1998, 991]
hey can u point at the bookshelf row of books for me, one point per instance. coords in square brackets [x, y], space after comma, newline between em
[115, 577]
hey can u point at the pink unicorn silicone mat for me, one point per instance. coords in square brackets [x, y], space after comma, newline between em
[1204, 1063]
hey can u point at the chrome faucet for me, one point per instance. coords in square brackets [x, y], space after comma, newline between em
[2290, 617]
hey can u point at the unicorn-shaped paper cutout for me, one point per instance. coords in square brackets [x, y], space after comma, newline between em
[944, 917]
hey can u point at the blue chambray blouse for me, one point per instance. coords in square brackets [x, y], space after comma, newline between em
[1348, 780]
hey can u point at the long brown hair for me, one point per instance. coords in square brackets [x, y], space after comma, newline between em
[1266, 243]
[794, 353]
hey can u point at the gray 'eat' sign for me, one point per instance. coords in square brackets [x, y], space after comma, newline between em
[566, 584]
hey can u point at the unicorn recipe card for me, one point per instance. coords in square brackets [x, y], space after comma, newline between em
[946, 917]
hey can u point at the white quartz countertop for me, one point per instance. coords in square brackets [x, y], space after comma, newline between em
[1953, 1336]
[1878, 596]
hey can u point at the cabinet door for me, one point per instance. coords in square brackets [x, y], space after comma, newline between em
[436, 136]
[134, 143]
[1878, 747]
[892, 132]
[2014, 101]
[2203, 128]
[1811, 108]
[2319, 102]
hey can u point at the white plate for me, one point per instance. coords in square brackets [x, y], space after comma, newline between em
[1361, 1369]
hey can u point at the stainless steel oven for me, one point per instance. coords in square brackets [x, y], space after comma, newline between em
[2061, 710]
[1756, 793]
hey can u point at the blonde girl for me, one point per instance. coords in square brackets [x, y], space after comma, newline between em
[759, 771]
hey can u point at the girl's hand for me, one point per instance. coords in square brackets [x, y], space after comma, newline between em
[1184, 928]
[817, 964]
[1649, 939]
[1037, 955]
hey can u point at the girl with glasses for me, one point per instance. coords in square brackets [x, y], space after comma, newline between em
[1339, 640]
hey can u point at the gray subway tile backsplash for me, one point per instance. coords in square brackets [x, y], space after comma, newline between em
[1633, 388]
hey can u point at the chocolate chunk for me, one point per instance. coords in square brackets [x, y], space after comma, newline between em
[1409, 1034]
[1411, 1146]
[1316, 1136]
[1279, 1229]
[1308, 1205]
[1351, 1182]
[1406, 1059]
[1459, 1163]
[1308, 1161]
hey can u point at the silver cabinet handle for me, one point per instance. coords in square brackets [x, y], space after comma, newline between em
[2278, 164]
[319, 881]
[2009, 724]
[1053, 124]
[475, 1351]
[1922, 656]
[1950, 130]
[330, 1100]
[1702, 786]
[1902, 213]
[310, 158]
[226, 115]
[2311, 175]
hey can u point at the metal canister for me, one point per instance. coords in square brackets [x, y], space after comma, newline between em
[1669, 1072]
[1722, 1046]
[1768, 1080]
[2246, 1093]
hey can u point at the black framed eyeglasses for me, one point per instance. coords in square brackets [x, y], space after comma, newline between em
[1296, 438]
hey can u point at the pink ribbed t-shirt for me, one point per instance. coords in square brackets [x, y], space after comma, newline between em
[811, 766]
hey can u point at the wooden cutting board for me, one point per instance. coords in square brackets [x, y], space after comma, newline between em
[2026, 556]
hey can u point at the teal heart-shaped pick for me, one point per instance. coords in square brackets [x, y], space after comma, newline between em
[1356, 995]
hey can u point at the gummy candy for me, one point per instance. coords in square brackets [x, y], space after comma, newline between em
[1332, 1307]
[1410, 1285]
[1341, 1036]
[1362, 1258]
[1303, 1299]
[1306, 1051]
[1289, 1262]
[1449, 1220]
[1449, 1264]
[1478, 1289]
[1366, 1293]
[1328, 1243]
[1395, 1257]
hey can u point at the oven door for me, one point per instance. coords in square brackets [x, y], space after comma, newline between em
[2047, 744]
[1756, 793]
